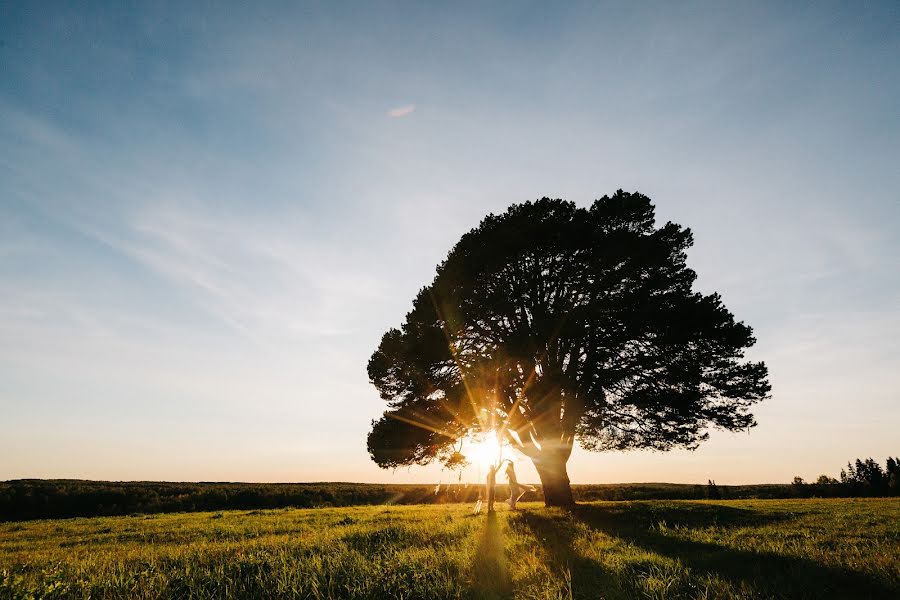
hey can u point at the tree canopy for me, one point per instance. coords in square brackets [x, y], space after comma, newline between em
[552, 322]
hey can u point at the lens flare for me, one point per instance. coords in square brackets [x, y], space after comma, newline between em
[483, 450]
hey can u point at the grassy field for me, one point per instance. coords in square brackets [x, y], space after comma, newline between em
[825, 548]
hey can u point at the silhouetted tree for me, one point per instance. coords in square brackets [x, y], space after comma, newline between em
[826, 480]
[866, 477]
[798, 480]
[550, 322]
[892, 472]
[869, 472]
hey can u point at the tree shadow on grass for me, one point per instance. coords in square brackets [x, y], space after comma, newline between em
[490, 574]
[583, 577]
[759, 573]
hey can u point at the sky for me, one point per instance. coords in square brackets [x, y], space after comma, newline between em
[210, 214]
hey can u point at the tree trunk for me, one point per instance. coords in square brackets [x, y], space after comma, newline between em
[551, 469]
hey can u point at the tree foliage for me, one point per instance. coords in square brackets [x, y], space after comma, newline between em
[867, 476]
[552, 322]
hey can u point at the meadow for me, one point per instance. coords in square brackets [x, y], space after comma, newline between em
[798, 548]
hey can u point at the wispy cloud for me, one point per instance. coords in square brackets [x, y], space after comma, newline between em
[257, 277]
[402, 111]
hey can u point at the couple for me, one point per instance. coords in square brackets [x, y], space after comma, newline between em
[516, 489]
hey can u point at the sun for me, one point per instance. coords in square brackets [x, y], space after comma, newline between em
[483, 449]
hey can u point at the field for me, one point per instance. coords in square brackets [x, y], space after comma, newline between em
[809, 548]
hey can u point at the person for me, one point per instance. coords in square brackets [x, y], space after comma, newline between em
[491, 484]
[516, 489]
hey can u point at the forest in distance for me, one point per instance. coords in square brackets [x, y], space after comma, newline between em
[28, 499]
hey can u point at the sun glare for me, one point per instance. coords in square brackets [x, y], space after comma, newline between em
[483, 450]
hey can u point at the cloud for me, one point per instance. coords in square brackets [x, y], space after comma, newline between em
[261, 279]
[402, 111]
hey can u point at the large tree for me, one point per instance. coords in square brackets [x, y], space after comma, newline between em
[552, 322]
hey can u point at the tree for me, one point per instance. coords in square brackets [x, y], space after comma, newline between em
[892, 472]
[826, 480]
[867, 476]
[552, 322]
[868, 473]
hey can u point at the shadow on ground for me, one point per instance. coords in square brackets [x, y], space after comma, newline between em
[490, 574]
[750, 573]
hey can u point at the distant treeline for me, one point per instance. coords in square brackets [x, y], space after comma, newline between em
[57, 498]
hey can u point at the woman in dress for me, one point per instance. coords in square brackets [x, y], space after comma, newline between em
[516, 489]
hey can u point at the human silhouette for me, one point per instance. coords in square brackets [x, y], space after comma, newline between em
[491, 484]
[516, 489]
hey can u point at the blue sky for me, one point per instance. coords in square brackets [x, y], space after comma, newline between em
[209, 216]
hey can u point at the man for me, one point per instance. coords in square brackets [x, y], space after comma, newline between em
[491, 483]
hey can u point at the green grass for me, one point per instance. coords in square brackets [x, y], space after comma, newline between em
[654, 549]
